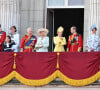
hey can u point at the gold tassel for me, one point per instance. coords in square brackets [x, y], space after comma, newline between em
[14, 66]
[57, 66]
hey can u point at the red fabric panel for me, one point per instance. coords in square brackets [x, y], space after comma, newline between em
[79, 65]
[36, 65]
[6, 64]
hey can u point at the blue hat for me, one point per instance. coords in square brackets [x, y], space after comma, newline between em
[92, 27]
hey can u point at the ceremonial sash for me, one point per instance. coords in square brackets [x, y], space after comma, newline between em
[1, 33]
[75, 38]
[30, 41]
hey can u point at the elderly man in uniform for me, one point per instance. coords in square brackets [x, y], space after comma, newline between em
[2, 38]
[93, 40]
[75, 42]
[28, 42]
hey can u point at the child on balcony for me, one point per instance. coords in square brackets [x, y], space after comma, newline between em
[8, 45]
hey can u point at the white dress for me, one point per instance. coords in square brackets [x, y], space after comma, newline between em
[44, 43]
[92, 42]
[16, 39]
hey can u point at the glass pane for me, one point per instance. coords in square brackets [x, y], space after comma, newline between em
[55, 2]
[75, 2]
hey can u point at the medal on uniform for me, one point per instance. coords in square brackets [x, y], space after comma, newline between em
[0, 36]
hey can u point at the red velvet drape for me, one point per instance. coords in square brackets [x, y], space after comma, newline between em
[6, 64]
[79, 65]
[36, 65]
[43, 66]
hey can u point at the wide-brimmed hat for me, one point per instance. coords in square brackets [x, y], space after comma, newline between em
[46, 31]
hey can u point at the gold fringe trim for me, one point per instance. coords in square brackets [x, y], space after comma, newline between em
[82, 82]
[29, 82]
[50, 78]
[40, 82]
[7, 78]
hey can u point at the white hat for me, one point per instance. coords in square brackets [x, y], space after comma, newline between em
[42, 30]
[92, 27]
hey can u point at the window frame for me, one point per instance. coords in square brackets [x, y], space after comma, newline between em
[65, 5]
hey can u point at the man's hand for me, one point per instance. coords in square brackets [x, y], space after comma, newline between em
[21, 50]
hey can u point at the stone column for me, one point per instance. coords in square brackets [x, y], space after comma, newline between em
[32, 15]
[91, 16]
[39, 14]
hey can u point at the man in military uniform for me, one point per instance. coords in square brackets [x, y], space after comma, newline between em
[75, 42]
[2, 38]
[28, 42]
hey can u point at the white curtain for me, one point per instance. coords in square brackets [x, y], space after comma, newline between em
[9, 14]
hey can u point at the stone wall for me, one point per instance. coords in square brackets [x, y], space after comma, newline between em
[91, 16]
[32, 15]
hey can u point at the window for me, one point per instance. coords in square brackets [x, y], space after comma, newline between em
[75, 2]
[55, 2]
[9, 14]
[65, 3]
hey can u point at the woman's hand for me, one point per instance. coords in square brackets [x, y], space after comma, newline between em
[91, 49]
[39, 46]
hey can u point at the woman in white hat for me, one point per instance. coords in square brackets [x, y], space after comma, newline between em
[59, 41]
[93, 39]
[42, 41]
